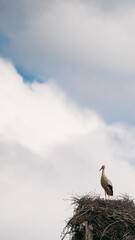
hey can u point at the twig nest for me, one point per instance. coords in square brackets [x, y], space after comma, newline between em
[110, 219]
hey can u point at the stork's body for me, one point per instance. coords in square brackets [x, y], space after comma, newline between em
[106, 183]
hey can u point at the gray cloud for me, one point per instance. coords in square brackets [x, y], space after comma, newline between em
[109, 93]
[28, 189]
[79, 31]
[86, 46]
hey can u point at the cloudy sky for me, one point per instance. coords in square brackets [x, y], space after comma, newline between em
[67, 94]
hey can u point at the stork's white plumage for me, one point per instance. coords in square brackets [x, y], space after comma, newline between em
[106, 183]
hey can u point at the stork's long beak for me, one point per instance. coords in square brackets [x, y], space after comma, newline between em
[100, 168]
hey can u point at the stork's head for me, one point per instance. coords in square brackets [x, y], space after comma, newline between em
[103, 167]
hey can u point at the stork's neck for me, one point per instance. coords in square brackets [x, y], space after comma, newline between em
[103, 172]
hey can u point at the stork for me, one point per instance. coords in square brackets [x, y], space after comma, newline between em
[106, 183]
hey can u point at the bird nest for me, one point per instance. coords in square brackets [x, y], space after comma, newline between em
[108, 219]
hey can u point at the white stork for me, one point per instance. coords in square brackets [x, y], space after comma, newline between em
[106, 183]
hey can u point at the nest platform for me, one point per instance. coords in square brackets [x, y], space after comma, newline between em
[106, 219]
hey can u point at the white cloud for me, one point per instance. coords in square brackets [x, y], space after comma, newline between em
[28, 107]
[50, 147]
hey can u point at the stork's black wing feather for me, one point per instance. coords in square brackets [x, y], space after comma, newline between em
[110, 187]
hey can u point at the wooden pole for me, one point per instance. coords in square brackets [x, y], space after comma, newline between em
[88, 230]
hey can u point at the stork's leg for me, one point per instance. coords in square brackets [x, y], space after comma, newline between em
[105, 195]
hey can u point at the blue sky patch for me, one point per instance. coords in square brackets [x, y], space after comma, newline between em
[27, 76]
[4, 40]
